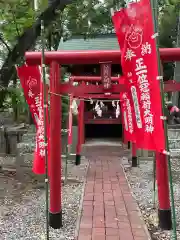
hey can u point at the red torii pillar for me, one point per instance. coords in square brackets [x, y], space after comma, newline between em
[82, 120]
[164, 211]
[80, 132]
[55, 211]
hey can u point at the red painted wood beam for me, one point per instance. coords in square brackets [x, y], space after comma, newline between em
[90, 90]
[103, 121]
[92, 56]
[172, 87]
[87, 89]
[91, 79]
[99, 96]
[169, 86]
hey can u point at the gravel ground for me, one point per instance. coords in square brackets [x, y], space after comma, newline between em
[22, 211]
[141, 181]
[22, 203]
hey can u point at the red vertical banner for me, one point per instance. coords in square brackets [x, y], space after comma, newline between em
[140, 68]
[39, 155]
[30, 78]
[127, 115]
[30, 81]
[70, 122]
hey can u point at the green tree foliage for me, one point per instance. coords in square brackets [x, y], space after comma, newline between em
[19, 28]
[16, 24]
[28, 39]
[15, 19]
[20, 25]
[168, 22]
[82, 17]
[88, 17]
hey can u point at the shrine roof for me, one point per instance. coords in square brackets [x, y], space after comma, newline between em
[99, 42]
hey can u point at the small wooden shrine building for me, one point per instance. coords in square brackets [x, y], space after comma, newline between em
[108, 125]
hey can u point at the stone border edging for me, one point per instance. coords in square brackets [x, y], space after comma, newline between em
[81, 205]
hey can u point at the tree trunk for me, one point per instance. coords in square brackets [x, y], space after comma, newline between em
[27, 40]
[3, 93]
[14, 99]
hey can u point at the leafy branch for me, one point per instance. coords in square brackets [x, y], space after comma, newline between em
[15, 22]
[28, 39]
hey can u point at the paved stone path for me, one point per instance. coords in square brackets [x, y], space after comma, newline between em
[109, 210]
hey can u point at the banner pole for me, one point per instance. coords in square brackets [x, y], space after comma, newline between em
[67, 147]
[45, 126]
[134, 155]
[66, 165]
[154, 182]
[79, 141]
[154, 7]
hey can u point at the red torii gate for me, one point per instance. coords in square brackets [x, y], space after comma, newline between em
[56, 89]
[84, 91]
[169, 86]
[88, 92]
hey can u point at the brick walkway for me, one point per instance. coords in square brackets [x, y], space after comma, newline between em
[109, 211]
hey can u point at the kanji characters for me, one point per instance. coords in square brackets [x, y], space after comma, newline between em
[30, 94]
[42, 152]
[37, 101]
[124, 95]
[40, 123]
[129, 74]
[146, 104]
[149, 128]
[125, 121]
[147, 112]
[142, 78]
[149, 119]
[129, 54]
[41, 137]
[145, 49]
[140, 67]
[127, 114]
[144, 86]
[145, 96]
[141, 72]
[41, 145]
[136, 107]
